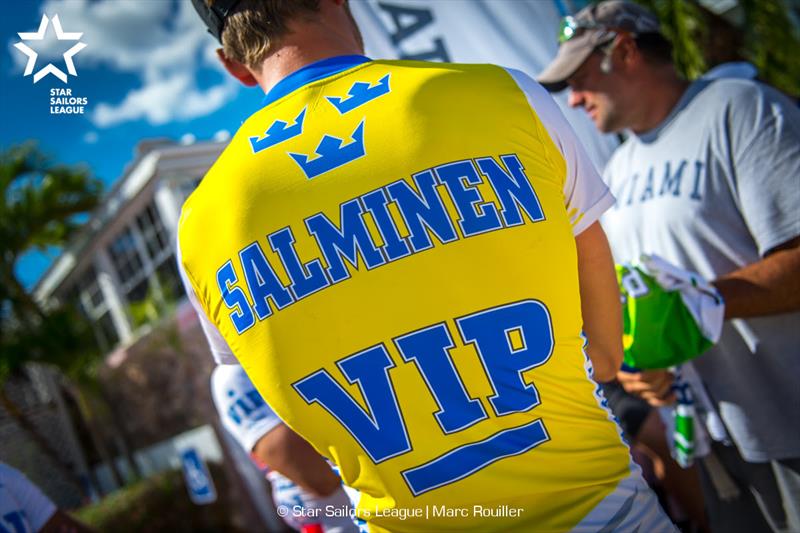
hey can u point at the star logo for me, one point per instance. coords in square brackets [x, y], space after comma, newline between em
[61, 35]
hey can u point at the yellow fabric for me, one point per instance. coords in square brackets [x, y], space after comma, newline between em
[433, 114]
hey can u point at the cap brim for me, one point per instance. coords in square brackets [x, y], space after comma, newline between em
[569, 58]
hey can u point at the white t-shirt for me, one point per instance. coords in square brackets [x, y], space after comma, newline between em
[23, 507]
[243, 411]
[712, 189]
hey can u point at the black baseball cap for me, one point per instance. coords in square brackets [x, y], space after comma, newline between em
[214, 15]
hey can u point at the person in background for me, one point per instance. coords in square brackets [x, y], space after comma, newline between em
[709, 179]
[25, 509]
[302, 481]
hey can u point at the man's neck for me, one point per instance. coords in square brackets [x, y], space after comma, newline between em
[662, 94]
[331, 34]
[289, 59]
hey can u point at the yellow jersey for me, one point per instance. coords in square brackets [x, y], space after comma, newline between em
[388, 250]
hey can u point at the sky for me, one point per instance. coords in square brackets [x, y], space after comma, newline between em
[149, 69]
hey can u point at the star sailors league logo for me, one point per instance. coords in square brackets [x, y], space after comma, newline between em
[50, 68]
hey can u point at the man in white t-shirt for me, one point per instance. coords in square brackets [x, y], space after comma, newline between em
[708, 180]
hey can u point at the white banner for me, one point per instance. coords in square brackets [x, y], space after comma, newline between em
[520, 34]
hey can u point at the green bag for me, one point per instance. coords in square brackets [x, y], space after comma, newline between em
[658, 331]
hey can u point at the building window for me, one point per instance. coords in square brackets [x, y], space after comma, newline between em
[106, 332]
[126, 259]
[154, 234]
[89, 294]
[170, 280]
[143, 257]
[94, 307]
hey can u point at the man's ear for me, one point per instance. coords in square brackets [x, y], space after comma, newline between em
[629, 54]
[236, 69]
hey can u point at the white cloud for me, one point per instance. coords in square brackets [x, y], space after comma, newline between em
[163, 43]
[162, 100]
[91, 137]
[222, 135]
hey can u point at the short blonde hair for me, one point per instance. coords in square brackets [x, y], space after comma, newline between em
[255, 25]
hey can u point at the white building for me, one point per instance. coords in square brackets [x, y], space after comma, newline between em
[125, 255]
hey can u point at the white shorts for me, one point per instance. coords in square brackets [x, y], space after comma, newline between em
[633, 506]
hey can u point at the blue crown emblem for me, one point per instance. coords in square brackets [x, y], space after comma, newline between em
[332, 153]
[359, 94]
[278, 132]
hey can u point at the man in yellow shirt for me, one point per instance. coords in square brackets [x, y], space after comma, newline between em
[405, 259]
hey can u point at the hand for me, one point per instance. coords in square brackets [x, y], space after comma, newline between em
[654, 386]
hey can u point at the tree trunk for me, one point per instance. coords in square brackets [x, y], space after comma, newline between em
[45, 447]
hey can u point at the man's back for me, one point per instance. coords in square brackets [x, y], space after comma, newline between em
[388, 253]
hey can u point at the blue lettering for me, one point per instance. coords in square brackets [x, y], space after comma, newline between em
[490, 332]
[648, 194]
[407, 22]
[420, 212]
[380, 431]
[233, 415]
[306, 279]
[380, 428]
[428, 348]
[634, 178]
[513, 191]
[352, 239]
[255, 397]
[474, 216]
[394, 246]
[17, 521]
[262, 281]
[672, 182]
[245, 406]
[234, 298]
[698, 174]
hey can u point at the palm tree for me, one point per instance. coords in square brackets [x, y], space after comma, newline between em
[39, 204]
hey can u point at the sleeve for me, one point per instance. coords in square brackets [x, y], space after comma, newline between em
[38, 508]
[764, 131]
[243, 411]
[586, 196]
[220, 350]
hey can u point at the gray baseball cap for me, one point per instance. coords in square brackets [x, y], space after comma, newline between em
[593, 26]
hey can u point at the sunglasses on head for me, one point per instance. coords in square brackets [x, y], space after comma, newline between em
[572, 27]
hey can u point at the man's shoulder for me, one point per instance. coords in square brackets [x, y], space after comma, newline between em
[735, 94]
[730, 89]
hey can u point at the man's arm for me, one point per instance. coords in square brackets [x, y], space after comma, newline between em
[600, 304]
[287, 453]
[764, 140]
[767, 287]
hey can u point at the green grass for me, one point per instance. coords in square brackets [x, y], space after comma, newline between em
[159, 503]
